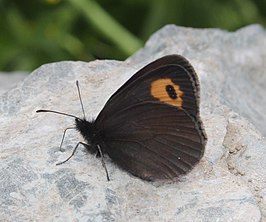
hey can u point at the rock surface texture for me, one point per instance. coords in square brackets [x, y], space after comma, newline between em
[229, 183]
[9, 80]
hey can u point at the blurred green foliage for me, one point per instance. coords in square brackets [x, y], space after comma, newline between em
[42, 31]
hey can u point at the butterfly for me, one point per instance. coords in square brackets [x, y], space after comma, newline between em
[151, 125]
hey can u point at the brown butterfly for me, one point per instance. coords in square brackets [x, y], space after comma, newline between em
[150, 126]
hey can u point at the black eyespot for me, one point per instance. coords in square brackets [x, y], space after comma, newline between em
[171, 91]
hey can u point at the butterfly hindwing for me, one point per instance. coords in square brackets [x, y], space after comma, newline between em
[154, 141]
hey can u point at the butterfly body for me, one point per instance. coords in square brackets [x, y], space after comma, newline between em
[89, 132]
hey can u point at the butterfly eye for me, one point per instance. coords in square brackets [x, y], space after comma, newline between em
[171, 91]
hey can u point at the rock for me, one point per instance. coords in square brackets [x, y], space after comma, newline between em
[9, 80]
[229, 183]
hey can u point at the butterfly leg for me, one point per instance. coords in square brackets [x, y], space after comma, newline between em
[86, 145]
[60, 147]
[102, 160]
[72, 153]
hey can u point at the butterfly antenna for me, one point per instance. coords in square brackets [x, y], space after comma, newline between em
[81, 103]
[53, 111]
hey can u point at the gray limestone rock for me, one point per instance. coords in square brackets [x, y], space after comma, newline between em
[229, 183]
[9, 80]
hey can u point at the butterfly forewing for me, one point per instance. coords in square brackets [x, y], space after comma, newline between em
[164, 61]
[152, 86]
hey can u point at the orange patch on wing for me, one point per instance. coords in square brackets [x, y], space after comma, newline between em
[159, 91]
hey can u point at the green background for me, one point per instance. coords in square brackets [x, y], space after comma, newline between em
[34, 32]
